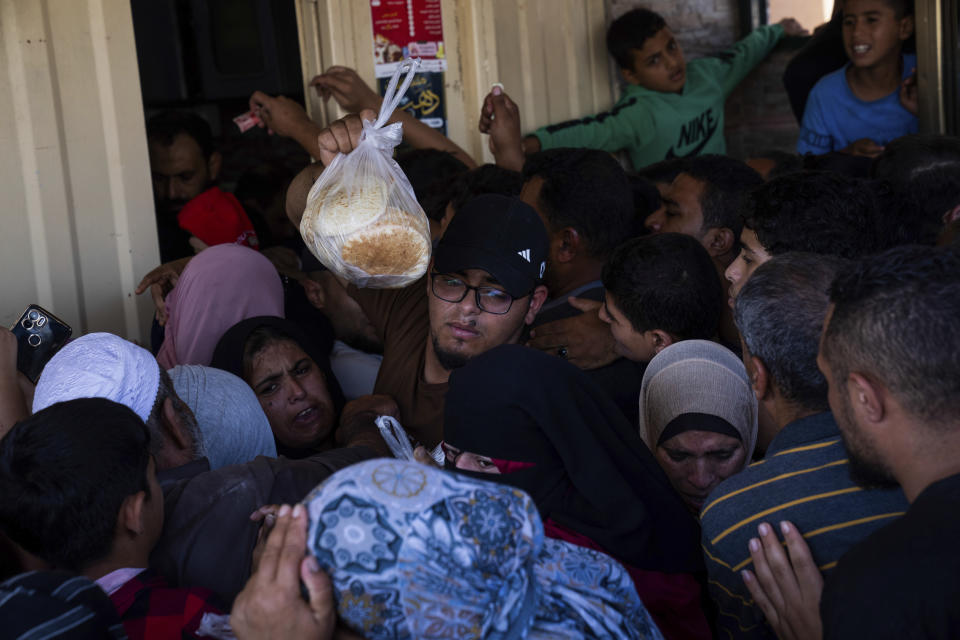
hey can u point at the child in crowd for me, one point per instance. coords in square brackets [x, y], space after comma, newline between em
[81, 494]
[873, 99]
[669, 108]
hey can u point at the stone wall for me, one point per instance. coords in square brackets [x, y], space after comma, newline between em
[758, 115]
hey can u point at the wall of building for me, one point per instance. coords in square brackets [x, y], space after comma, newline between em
[77, 223]
[548, 54]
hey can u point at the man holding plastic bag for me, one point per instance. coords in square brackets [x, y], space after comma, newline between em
[481, 287]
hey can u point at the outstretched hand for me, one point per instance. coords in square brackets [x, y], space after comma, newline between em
[345, 86]
[786, 587]
[585, 338]
[500, 118]
[863, 147]
[280, 114]
[270, 605]
[161, 282]
[792, 28]
[909, 94]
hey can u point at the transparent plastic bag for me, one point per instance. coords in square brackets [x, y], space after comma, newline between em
[362, 220]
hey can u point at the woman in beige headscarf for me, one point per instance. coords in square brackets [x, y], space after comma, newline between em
[698, 415]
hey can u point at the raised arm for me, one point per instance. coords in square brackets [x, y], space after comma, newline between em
[350, 91]
[500, 119]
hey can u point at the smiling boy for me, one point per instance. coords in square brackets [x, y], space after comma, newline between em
[872, 99]
[670, 108]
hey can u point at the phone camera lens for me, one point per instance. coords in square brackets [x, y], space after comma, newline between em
[26, 324]
[33, 315]
[34, 340]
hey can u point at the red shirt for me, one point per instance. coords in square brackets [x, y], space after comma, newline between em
[152, 610]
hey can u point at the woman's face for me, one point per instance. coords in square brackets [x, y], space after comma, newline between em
[293, 394]
[697, 461]
[468, 461]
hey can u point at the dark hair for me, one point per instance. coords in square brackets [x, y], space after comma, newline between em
[630, 31]
[924, 174]
[585, 189]
[258, 340]
[895, 320]
[167, 125]
[900, 7]
[663, 172]
[666, 281]
[726, 182]
[646, 200]
[425, 168]
[488, 178]
[784, 162]
[780, 312]
[64, 474]
[838, 162]
[814, 212]
[262, 190]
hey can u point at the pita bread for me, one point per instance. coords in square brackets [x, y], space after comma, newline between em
[341, 210]
[388, 248]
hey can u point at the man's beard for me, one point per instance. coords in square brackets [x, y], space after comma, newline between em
[169, 208]
[449, 360]
[865, 470]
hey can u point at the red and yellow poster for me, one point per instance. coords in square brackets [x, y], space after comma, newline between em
[412, 29]
[407, 29]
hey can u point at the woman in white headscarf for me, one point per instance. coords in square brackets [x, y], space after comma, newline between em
[698, 415]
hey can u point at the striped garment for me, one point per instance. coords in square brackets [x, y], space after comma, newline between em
[44, 605]
[805, 479]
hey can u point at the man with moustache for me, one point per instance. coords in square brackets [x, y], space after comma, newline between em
[483, 286]
[192, 213]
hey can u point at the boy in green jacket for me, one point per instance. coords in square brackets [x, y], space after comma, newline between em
[669, 108]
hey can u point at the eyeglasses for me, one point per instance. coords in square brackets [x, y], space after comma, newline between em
[453, 289]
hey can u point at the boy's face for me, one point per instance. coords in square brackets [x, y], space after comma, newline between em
[628, 342]
[752, 255]
[872, 33]
[659, 65]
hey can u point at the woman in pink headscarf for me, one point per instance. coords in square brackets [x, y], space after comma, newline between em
[220, 287]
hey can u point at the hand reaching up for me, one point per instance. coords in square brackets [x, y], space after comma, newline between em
[909, 95]
[346, 87]
[500, 118]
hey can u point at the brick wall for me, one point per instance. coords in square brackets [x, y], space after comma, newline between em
[758, 115]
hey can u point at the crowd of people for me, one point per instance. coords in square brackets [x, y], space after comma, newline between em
[699, 398]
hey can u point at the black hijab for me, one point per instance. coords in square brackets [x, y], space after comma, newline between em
[592, 473]
[228, 355]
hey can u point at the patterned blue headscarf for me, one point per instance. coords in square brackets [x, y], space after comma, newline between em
[416, 552]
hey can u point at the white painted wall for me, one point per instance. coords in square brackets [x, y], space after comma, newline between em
[549, 55]
[77, 225]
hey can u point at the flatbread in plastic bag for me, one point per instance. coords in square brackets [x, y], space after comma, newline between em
[362, 220]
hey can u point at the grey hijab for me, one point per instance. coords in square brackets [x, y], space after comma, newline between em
[697, 377]
[233, 426]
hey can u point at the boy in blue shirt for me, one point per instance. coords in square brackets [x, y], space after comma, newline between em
[669, 108]
[872, 100]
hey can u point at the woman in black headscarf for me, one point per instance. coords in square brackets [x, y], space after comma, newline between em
[290, 373]
[541, 425]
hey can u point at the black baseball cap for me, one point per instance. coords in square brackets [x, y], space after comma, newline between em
[500, 235]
